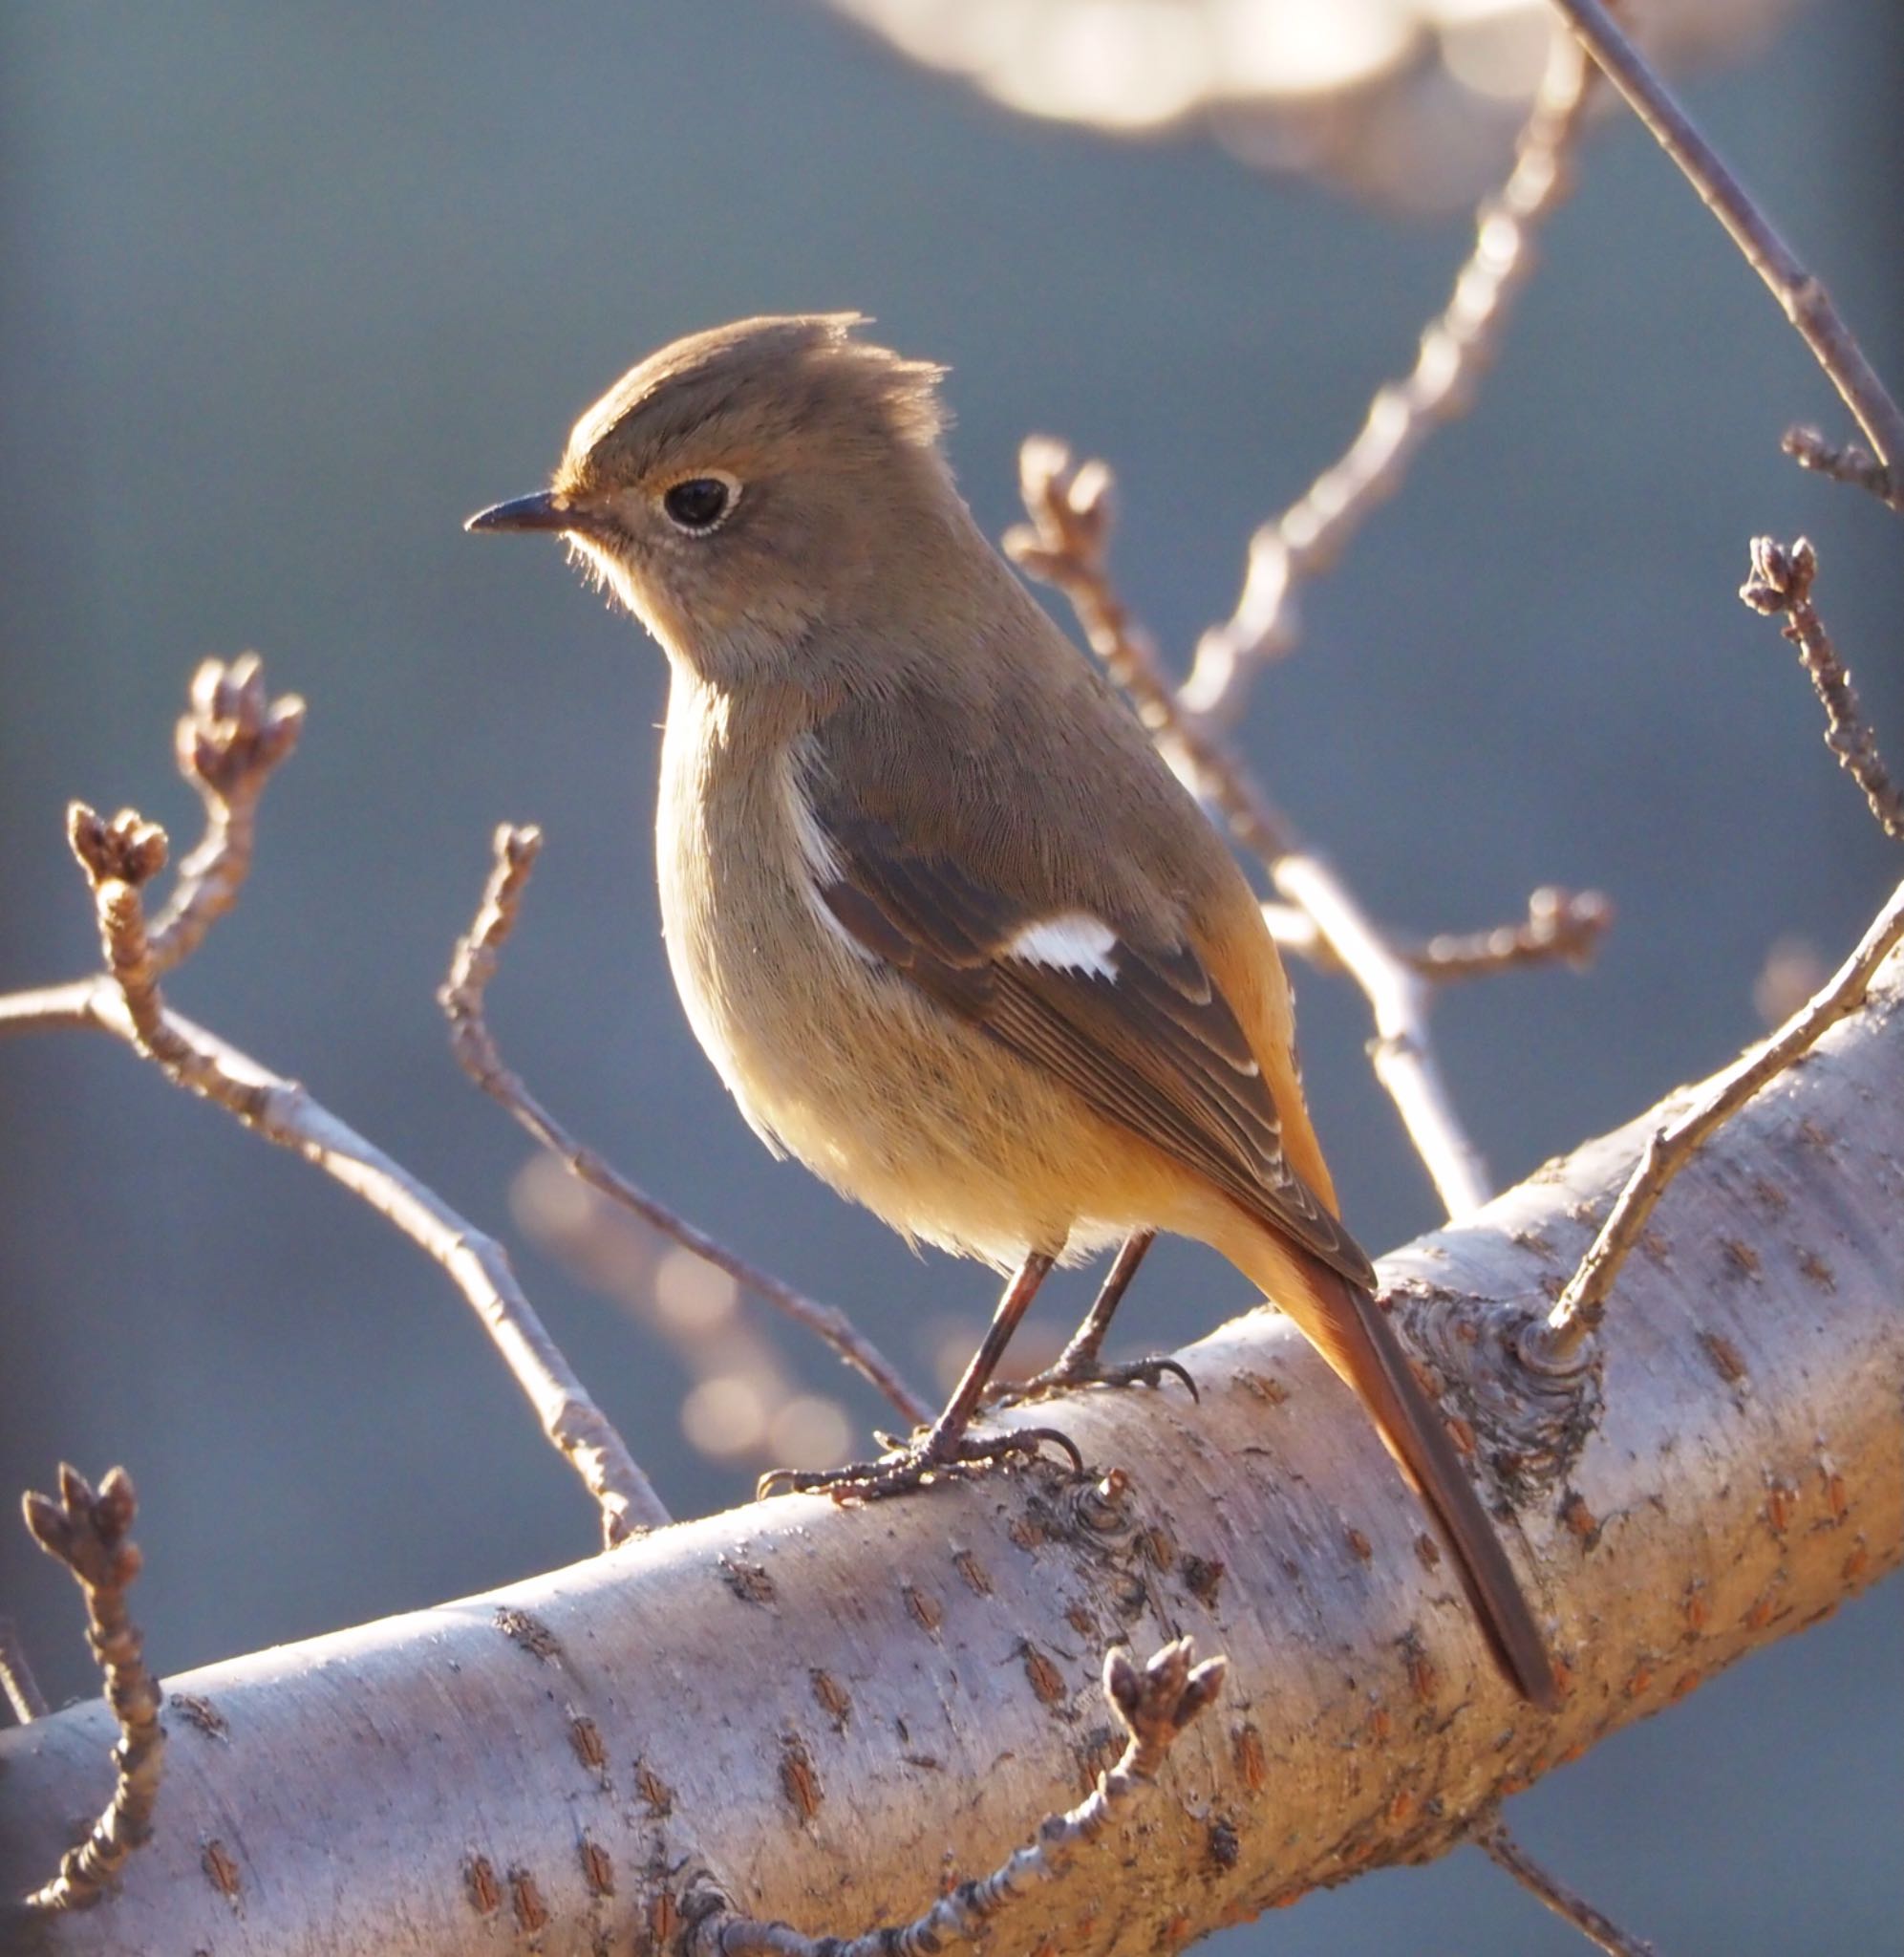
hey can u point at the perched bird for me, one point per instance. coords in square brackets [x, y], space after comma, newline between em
[947, 925]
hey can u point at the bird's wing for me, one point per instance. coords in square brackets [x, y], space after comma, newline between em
[1137, 1029]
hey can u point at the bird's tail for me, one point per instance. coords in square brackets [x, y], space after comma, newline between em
[1346, 1326]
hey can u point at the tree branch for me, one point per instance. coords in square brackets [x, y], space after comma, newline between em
[836, 1712]
[17, 1682]
[1456, 348]
[228, 743]
[1844, 462]
[1801, 295]
[1559, 1344]
[1781, 583]
[63, 1008]
[118, 857]
[1152, 1705]
[478, 953]
[1593, 1923]
[1563, 927]
[90, 1534]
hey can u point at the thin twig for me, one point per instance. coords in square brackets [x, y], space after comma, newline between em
[1065, 543]
[472, 967]
[1401, 1051]
[1455, 347]
[1294, 930]
[1153, 1704]
[1595, 1925]
[1556, 1344]
[1563, 927]
[1803, 298]
[118, 857]
[228, 742]
[89, 1534]
[16, 1676]
[1781, 583]
[1844, 462]
[49, 1008]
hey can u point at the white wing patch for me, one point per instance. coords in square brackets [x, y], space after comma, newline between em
[820, 862]
[817, 854]
[1072, 941]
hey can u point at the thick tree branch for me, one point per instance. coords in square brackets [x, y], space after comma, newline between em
[832, 1714]
[1801, 295]
[473, 966]
[90, 1534]
[1152, 1703]
[1455, 347]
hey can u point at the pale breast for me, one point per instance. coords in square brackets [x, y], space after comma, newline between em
[834, 1058]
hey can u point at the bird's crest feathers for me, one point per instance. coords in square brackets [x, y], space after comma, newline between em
[777, 378]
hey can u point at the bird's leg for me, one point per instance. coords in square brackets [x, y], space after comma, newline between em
[948, 1444]
[1079, 1361]
[970, 1388]
[1077, 1364]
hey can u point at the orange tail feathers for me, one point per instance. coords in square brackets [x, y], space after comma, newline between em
[1346, 1326]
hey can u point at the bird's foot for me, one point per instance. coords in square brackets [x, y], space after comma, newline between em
[926, 1457]
[1068, 1375]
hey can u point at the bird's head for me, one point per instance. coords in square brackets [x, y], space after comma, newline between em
[741, 485]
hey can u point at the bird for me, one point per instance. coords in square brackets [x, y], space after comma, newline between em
[943, 920]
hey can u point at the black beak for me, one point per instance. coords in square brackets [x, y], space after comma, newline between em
[544, 510]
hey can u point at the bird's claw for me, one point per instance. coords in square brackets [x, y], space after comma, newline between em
[1064, 1378]
[912, 1464]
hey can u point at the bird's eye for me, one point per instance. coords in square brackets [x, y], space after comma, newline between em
[699, 504]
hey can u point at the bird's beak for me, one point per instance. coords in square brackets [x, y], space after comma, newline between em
[544, 510]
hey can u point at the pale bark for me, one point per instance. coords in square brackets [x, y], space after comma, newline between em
[828, 1712]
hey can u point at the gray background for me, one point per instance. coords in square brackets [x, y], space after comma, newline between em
[287, 291]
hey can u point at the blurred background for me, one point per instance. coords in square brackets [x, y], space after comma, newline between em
[288, 292]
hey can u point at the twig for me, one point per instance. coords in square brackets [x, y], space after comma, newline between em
[1455, 348]
[49, 1008]
[1803, 298]
[1401, 1052]
[228, 742]
[472, 967]
[1781, 582]
[16, 1676]
[1153, 1704]
[1556, 1344]
[1562, 926]
[1595, 1925]
[118, 857]
[1065, 544]
[89, 1534]
[1293, 931]
[1844, 462]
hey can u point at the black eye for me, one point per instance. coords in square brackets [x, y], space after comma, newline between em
[699, 504]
